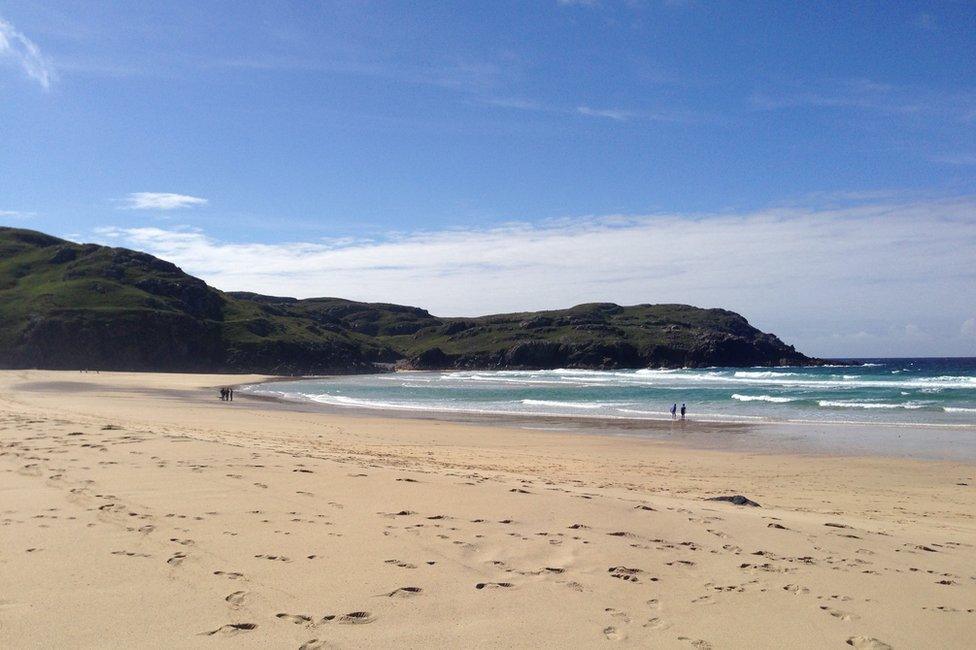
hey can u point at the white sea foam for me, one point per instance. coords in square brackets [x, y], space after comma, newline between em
[725, 394]
[763, 398]
[570, 405]
[870, 405]
[762, 375]
[666, 378]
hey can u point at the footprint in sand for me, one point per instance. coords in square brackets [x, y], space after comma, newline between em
[624, 573]
[233, 575]
[613, 634]
[867, 643]
[656, 623]
[836, 613]
[357, 618]
[402, 565]
[125, 553]
[297, 619]
[232, 628]
[236, 599]
[177, 559]
[493, 585]
[405, 592]
[698, 644]
[313, 644]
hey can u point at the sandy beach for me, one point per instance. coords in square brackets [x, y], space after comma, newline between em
[139, 510]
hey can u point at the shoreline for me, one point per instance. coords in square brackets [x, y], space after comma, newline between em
[142, 498]
[828, 437]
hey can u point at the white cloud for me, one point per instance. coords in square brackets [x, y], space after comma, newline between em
[804, 273]
[958, 105]
[161, 201]
[19, 50]
[611, 113]
[968, 328]
[624, 115]
[956, 158]
[15, 214]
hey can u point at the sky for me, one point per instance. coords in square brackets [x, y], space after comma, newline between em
[809, 165]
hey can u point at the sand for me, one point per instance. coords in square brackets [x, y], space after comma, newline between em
[138, 510]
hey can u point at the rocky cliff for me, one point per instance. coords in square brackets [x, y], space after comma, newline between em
[72, 306]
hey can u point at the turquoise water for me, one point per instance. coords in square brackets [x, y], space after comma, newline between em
[896, 391]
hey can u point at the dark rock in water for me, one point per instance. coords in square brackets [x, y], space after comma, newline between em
[737, 499]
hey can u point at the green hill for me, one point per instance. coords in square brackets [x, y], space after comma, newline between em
[72, 306]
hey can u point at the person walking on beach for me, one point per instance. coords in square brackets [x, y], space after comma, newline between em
[223, 394]
[682, 411]
[674, 409]
[230, 393]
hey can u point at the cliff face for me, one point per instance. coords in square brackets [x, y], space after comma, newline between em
[601, 335]
[73, 306]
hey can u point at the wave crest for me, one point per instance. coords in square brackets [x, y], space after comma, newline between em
[763, 398]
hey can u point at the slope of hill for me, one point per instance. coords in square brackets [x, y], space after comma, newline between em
[71, 306]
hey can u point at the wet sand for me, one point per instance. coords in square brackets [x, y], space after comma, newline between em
[138, 509]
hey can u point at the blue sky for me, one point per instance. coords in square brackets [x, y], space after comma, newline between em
[812, 165]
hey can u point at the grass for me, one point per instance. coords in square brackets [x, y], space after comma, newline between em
[53, 291]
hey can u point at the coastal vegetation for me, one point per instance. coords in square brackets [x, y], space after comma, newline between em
[72, 306]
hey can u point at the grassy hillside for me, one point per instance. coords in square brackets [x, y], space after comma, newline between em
[67, 305]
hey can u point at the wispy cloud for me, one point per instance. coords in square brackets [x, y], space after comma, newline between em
[520, 104]
[842, 269]
[968, 328]
[160, 201]
[617, 114]
[17, 49]
[634, 115]
[577, 3]
[16, 214]
[464, 76]
[955, 158]
[869, 95]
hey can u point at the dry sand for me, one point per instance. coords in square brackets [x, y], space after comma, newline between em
[138, 510]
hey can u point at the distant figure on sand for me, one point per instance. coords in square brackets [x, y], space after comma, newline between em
[674, 409]
[682, 411]
[230, 394]
[223, 394]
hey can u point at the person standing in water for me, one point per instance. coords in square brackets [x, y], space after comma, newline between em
[682, 411]
[674, 409]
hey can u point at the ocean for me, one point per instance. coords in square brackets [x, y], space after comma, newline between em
[929, 392]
